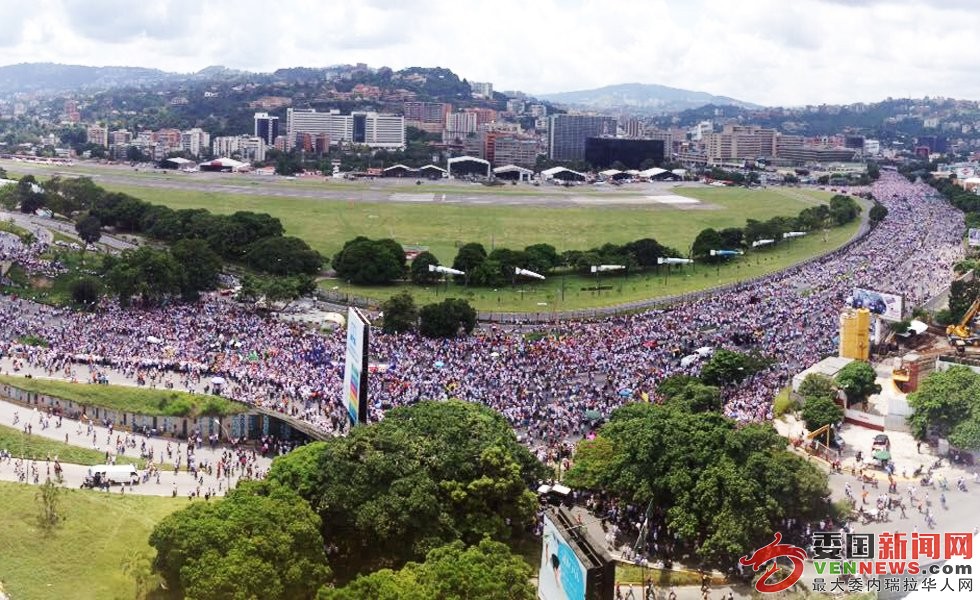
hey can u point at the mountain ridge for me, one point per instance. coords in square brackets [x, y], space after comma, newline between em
[649, 96]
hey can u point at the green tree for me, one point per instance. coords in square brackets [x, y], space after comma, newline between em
[690, 392]
[843, 209]
[857, 380]
[445, 319]
[89, 229]
[261, 541]
[29, 199]
[424, 476]
[541, 258]
[469, 257]
[727, 367]
[138, 567]
[646, 251]
[400, 313]
[283, 255]
[719, 489]
[878, 213]
[150, 274]
[488, 571]
[200, 267]
[816, 385]
[707, 240]
[947, 404]
[85, 291]
[420, 273]
[818, 411]
[368, 262]
[50, 514]
[732, 238]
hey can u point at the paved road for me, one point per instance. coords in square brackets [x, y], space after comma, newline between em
[42, 227]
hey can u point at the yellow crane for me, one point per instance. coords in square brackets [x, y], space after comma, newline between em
[963, 329]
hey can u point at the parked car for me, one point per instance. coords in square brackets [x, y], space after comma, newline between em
[881, 442]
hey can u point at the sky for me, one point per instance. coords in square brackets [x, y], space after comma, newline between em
[770, 52]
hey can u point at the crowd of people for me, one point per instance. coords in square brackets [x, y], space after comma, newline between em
[550, 388]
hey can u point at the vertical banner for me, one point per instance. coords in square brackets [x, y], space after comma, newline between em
[356, 367]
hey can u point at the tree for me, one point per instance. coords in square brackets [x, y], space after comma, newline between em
[369, 262]
[85, 291]
[541, 258]
[857, 380]
[947, 404]
[261, 541]
[877, 213]
[29, 197]
[732, 238]
[200, 267]
[818, 411]
[816, 385]
[690, 392]
[49, 506]
[707, 240]
[424, 476]
[469, 257]
[962, 293]
[420, 273]
[646, 251]
[843, 209]
[138, 566]
[445, 319]
[400, 313]
[727, 367]
[719, 489]
[89, 229]
[134, 154]
[283, 255]
[150, 274]
[488, 571]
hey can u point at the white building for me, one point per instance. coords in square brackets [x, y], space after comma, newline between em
[246, 147]
[97, 134]
[370, 129]
[460, 124]
[481, 89]
[195, 141]
[872, 147]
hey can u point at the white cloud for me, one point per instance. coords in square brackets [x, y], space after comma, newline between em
[765, 51]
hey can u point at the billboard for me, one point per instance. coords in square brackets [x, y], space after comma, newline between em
[888, 306]
[562, 575]
[974, 237]
[356, 367]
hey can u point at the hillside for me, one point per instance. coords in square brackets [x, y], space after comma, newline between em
[641, 96]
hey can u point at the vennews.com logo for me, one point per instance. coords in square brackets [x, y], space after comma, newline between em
[886, 562]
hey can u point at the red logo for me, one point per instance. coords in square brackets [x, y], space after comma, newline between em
[769, 552]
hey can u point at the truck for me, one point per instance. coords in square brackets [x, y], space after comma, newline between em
[99, 475]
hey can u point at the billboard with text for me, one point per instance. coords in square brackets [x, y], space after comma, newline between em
[888, 306]
[356, 367]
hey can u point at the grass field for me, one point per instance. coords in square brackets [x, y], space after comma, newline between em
[83, 558]
[22, 445]
[11, 227]
[327, 224]
[143, 401]
[547, 296]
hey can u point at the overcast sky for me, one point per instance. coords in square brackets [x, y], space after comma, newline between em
[772, 52]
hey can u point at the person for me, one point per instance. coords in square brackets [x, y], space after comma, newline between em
[918, 447]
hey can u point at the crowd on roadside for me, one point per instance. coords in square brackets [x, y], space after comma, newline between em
[550, 388]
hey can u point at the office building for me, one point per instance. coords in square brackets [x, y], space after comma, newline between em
[567, 134]
[737, 143]
[370, 129]
[633, 128]
[120, 137]
[481, 89]
[459, 125]
[241, 147]
[601, 152]
[96, 134]
[195, 141]
[513, 150]
[427, 116]
[266, 127]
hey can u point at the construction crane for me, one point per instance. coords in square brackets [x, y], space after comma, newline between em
[962, 332]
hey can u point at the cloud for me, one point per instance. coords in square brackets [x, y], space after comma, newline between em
[764, 51]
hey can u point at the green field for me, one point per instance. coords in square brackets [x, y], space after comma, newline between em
[83, 558]
[21, 445]
[327, 224]
[142, 401]
[547, 296]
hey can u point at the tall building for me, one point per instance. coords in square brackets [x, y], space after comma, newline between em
[740, 142]
[120, 137]
[195, 141]
[461, 124]
[512, 150]
[370, 129]
[427, 116]
[633, 128]
[481, 89]
[266, 127]
[567, 134]
[601, 152]
[245, 147]
[484, 116]
[96, 134]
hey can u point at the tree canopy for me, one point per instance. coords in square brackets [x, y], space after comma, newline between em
[818, 411]
[857, 380]
[261, 541]
[370, 262]
[947, 404]
[445, 319]
[720, 488]
[727, 367]
[487, 571]
[400, 313]
[426, 475]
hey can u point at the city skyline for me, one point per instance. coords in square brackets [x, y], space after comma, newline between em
[762, 51]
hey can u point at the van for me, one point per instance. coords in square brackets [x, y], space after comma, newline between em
[114, 473]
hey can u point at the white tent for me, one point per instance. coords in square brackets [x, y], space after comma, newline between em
[651, 173]
[522, 173]
[561, 173]
[463, 159]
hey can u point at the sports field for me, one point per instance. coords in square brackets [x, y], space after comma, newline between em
[327, 224]
[84, 557]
